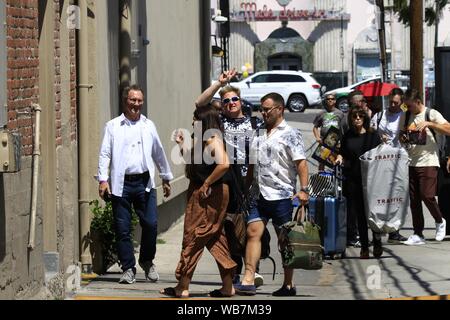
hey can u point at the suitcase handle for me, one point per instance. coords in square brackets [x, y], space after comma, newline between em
[338, 177]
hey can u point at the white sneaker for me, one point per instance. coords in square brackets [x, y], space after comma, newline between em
[128, 277]
[414, 240]
[440, 230]
[259, 280]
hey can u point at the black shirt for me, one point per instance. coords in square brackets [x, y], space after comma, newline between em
[353, 146]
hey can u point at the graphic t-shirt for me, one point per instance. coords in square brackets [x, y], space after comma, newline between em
[238, 136]
[325, 120]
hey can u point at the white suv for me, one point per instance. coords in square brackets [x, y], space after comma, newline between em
[299, 89]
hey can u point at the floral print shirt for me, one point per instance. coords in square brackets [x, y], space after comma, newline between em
[275, 156]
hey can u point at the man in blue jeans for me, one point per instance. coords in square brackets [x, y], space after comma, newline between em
[279, 157]
[130, 149]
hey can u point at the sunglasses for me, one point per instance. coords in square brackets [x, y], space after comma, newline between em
[330, 99]
[267, 111]
[356, 116]
[232, 99]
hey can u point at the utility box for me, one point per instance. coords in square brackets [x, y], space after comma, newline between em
[9, 152]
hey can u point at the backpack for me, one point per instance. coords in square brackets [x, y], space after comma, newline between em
[379, 118]
[265, 249]
[441, 143]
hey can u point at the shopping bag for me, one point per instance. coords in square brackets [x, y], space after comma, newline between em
[385, 175]
[299, 243]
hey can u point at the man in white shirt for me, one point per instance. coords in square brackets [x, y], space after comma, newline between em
[130, 146]
[388, 124]
[279, 156]
[423, 151]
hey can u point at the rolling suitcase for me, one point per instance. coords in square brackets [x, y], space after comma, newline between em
[330, 213]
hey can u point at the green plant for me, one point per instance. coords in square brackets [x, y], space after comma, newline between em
[102, 227]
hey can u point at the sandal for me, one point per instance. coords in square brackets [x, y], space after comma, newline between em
[218, 294]
[171, 292]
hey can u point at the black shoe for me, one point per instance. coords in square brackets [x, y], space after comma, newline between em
[396, 237]
[285, 292]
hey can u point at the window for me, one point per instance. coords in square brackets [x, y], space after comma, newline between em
[3, 55]
[285, 78]
[260, 79]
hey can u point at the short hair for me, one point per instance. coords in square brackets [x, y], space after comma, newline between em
[396, 92]
[413, 94]
[332, 94]
[227, 89]
[276, 98]
[127, 90]
[354, 93]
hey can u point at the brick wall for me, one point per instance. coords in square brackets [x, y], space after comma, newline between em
[23, 67]
[57, 85]
[73, 86]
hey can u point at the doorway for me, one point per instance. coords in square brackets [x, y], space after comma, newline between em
[285, 61]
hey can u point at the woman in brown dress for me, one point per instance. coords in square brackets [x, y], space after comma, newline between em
[206, 207]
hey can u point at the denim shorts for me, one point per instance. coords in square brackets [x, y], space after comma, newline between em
[280, 211]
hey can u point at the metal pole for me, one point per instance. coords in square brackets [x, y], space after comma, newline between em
[382, 40]
[342, 50]
[84, 138]
[34, 189]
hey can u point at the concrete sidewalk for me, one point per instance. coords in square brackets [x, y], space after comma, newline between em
[403, 271]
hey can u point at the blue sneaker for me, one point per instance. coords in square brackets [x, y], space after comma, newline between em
[245, 290]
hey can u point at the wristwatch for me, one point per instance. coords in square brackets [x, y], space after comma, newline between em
[305, 189]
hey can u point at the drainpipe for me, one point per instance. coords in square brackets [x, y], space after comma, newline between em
[124, 45]
[36, 155]
[83, 140]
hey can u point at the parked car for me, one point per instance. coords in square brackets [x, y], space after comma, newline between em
[342, 93]
[299, 89]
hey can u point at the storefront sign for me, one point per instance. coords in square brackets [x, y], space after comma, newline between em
[249, 11]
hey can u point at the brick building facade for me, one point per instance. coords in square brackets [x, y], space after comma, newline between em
[40, 65]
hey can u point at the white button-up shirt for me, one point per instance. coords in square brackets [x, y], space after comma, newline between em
[275, 156]
[114, 153]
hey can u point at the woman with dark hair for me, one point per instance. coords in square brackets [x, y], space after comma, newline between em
[206, 207]
[358, 139]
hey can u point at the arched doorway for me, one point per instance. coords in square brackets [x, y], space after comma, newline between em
[285, 61]
[284, 49]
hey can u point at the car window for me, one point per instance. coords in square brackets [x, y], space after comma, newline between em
[260, 79]
[285, 78]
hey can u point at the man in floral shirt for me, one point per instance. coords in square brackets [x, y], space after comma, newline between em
[279, 157]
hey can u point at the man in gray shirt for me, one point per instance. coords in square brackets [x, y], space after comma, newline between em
[330, 117]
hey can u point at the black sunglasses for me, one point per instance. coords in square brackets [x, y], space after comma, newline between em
[232, 99]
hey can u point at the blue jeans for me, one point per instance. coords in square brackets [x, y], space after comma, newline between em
[144, 204]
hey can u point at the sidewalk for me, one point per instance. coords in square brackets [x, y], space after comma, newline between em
[402, 271]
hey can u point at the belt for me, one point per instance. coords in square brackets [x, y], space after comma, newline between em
[134, 177]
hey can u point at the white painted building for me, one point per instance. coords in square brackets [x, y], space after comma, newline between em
[342, 34]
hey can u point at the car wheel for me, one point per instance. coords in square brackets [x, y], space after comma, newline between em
[297, 103]
[342, 104]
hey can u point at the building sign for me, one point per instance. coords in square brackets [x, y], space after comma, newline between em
[249, 11]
